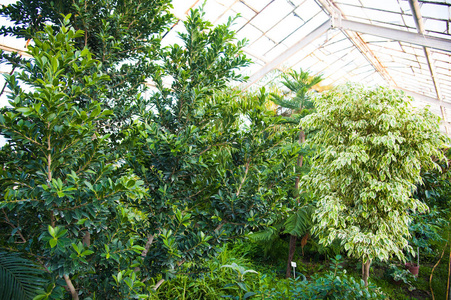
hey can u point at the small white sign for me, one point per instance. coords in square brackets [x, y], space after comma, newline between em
[293, 264]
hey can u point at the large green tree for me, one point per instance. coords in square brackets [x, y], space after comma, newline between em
[63, 198]
[372, 146]
[124, 36]
[212, 159]
[210, 156]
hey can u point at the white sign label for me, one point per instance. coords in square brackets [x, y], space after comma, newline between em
[293, 264]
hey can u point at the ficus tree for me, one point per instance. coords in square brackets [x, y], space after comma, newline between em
[372, 146]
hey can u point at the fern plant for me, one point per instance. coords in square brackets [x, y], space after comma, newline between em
[20, 278]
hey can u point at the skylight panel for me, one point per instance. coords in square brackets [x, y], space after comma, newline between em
[308, 10]
[443, 68]
[261, 46]
[226, 3]
[409, 21]
[435, 25]
[276, 51]
[435, 11]
[384, 16]
[352, 11]
[304, 30]
[237, 24]
[388, 46]
[284, 28]
[272, 14]
[181, 7]
[244, 10]
[382, 4]
[348, 2]
[213, 10]
[257, 5]
[250, 32]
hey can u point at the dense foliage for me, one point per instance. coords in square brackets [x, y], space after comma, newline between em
[107, 192]
[373, 147]
[195, 166]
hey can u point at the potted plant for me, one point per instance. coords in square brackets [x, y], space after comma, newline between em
[412, 267]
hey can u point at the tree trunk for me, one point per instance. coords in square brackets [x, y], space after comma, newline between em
[366, 271]
[71, 288]
[291, 251]
[448, 287]
[300, 163]
[293, 238]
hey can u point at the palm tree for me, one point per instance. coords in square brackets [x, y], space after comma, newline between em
[294, 104]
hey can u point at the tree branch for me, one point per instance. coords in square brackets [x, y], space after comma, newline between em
[72, 290]
[244, 178]
[158, 284]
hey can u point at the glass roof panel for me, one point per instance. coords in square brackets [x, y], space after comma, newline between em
[348, 2]
[381, 5]
[435, 26]
[250, 32]
[429, 10]
[308, 10]
[260, 46]
[285, 28]
[245, 11]
[276, 51]
[213, 10]
[257, 5]
[305, 29]
[272, 14]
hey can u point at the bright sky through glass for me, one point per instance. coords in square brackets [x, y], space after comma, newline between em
[277, 29]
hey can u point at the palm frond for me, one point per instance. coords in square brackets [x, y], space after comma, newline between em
[268, 234]
[298, 84]
[300, 222]
[19, 278]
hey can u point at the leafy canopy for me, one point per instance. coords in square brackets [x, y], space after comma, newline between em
[372, 147]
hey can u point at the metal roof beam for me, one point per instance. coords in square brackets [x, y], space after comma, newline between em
[415, 8]
[427, 100]
[337, 20]
[316, 33]
[395, 34]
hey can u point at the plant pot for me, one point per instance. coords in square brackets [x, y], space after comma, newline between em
[413, 268]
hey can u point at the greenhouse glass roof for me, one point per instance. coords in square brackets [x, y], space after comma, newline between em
[397, 43]
[403, 44]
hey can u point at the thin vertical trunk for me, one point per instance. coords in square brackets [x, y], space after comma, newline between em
[300, 163]
[71, 288]
[293, 238]
[448, 289]
[366, 271]
[291, 252]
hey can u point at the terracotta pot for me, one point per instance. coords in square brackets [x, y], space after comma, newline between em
[413, 268]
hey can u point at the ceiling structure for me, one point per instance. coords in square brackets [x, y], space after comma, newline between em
[403, 44]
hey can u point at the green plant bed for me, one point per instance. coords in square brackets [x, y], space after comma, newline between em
[323, 279]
